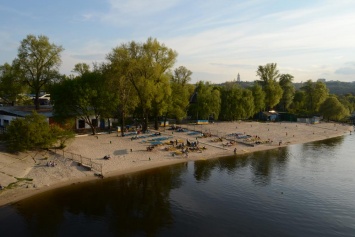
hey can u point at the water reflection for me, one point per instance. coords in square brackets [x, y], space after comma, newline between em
[329, 144]
[131, 204]
[261, 164]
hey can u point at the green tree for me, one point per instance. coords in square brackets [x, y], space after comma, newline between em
[288, 91]
[38, 62]
[316, 93]
[268, 78]
[207, 101]
[160, 102]
[348, 101]
[117, 72]
[236, 102]
[62, 134]
[298, 103]
[85, 97]
[247, 102]
[230, 101]
[81, 68]
[332, 109]
[148, 64]
[11, 87]
[180, 93]
[29, 133]
[259, 97]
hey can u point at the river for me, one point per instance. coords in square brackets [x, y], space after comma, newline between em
[299, 190]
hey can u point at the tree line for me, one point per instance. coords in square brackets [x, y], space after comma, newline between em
[139, 79]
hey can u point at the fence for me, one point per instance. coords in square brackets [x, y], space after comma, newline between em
[84, 161]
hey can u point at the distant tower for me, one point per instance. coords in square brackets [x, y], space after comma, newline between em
[238, 78]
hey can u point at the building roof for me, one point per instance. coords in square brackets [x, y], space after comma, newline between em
[22, 111]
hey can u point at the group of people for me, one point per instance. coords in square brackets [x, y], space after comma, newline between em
[192, 144]
[51, 164]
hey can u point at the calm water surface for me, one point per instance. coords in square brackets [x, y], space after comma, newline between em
[301, 190]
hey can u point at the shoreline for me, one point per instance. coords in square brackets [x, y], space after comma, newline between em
[29, 175]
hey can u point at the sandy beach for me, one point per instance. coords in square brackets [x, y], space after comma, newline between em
[29, 173]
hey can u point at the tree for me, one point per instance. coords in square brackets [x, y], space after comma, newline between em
[316, 93]
[268, 78]
[178, 102]
[32, 132]
[148, 63]
[207, 101]
[181, 76]
[62, 134]
[11, 87]
[81, 68]
[298, 103]
[230, 101]
[259, 97]
[236, 102]
[85, 97]
[160, 103]
[38, 62]
[248, 104]
[332, 109]
[348, 101]
[288, 91]
[117, 72]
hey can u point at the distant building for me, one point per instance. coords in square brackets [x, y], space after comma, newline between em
[238, 78]
[9, 113]
[321, 80]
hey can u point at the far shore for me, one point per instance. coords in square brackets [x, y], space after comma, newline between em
[27, 174]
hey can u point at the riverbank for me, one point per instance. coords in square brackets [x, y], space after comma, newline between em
[27, 174]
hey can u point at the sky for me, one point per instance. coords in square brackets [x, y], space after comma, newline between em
[216, 40]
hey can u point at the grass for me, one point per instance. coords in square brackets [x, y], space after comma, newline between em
[15, 184]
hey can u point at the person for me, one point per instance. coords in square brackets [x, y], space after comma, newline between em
[1, 187]
[235, 150]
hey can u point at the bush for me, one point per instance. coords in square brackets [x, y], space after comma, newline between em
[32, 132]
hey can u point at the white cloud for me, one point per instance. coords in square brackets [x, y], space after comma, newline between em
[347, 69]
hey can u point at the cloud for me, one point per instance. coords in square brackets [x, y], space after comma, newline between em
[345, 71]
[245, 66]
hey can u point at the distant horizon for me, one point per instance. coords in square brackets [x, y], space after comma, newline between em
[215, 40]
[297, 82]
